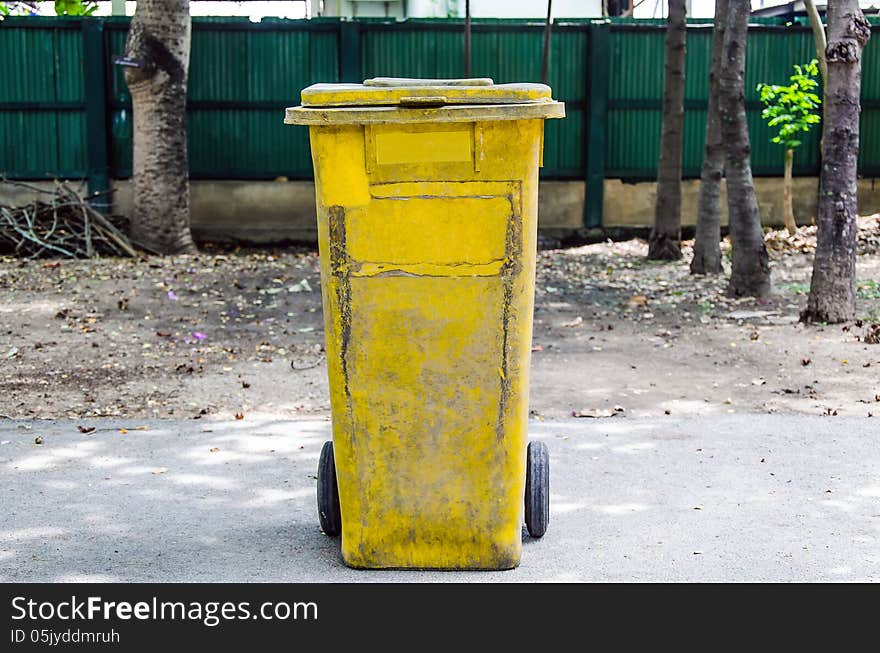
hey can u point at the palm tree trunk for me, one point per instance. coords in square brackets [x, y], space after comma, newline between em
[157, 48]
[818, 37]
[707, 242]
[665, 243]
[750, 274]
[832, 289]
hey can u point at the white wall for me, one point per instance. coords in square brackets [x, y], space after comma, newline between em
[390, 9]
[433, 8]
[512, 8]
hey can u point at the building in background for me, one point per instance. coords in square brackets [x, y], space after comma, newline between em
[456, 8]
[504, 8]
[256, 10]
[397, 9]
[790, 10]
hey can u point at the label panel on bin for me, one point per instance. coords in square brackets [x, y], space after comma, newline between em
[434, 146]
[433, 229]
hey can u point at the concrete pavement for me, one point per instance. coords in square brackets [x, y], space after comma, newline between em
[720, 498]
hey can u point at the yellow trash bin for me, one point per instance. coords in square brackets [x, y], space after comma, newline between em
[427, 194]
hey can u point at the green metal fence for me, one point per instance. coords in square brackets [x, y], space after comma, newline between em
[65, 110]
[42, 99]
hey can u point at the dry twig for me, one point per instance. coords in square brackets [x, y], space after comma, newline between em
[59, 223]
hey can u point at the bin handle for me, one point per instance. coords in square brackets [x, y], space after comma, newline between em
[406, 81]
[422, 101]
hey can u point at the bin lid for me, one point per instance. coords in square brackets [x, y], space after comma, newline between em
[408, 92]
[391, 99]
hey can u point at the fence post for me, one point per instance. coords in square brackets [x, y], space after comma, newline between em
[350, 52]
[597, 65]
[95, 82]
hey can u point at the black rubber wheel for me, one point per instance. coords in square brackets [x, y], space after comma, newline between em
[328, 493]
[537, 489]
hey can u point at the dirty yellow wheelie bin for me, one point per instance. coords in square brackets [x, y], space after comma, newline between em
[427, 194]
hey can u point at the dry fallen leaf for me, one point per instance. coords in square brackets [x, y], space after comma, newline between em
[598, 412]
[239, 416]
[638, 300]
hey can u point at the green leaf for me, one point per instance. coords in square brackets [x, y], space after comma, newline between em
[792, 108]
[783, 119]
[75, 7]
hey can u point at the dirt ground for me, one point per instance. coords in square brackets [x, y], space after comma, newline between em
[239, 332]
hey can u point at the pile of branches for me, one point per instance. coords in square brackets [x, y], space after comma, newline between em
[59, 223]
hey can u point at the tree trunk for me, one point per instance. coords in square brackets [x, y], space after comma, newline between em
[787, 209]
[158, 52]
[832, 289]
[750, 275]
[707, 243]
[665, 243]
[818, 37]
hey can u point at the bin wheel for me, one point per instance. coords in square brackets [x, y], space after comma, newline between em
[537, 489]
[328, 493]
